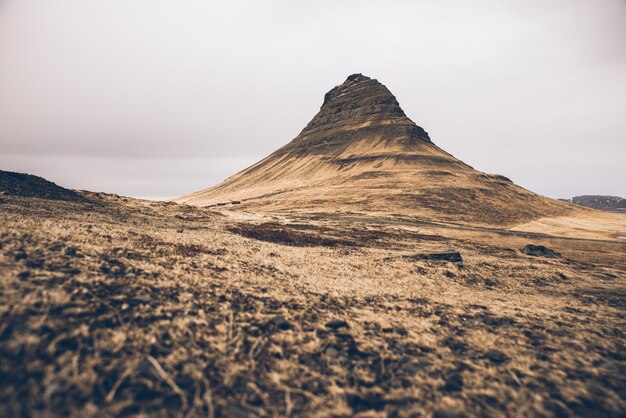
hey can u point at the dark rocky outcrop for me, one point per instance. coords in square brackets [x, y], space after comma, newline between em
[360, 107]
[359, 97]
[540, 251]
[608, 203]
[453, 257]
[27, 185]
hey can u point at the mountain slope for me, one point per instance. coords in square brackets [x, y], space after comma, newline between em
[361, 153]
[27, 185]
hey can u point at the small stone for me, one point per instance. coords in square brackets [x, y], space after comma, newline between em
[454, 382]
[34, 264]
[490, 282]
[336, 324]
[20, 256]
[370, 401]
[497, 356]
[279, 322]
[71, 251]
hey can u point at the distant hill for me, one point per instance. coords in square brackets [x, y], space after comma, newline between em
[608, 203]
[27, 185]
[362, 154]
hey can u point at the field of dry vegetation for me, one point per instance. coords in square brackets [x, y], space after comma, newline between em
[122, 307]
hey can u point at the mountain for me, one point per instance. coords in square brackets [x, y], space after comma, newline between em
[362, 154]
[27, 185]
[608, 203]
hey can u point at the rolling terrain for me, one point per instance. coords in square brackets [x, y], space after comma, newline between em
[359, 270]
[123, 307]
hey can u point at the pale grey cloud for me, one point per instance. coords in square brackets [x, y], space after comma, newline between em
[534, 90]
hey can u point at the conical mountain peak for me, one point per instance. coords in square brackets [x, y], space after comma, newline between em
[361, 153]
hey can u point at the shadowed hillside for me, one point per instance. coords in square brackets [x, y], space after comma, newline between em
[27, 185]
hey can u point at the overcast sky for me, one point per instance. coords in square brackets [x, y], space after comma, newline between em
[155, 98]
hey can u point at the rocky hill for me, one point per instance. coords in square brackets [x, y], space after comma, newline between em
[362, 154]
[27, 185]
[608, 203]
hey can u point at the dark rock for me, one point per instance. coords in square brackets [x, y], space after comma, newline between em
[20, 256]
[540, 251]
[336, 324]
[497, 356]
[456, 345]
[34, 264]
[71, 251]
[453, 257]
[279, 322]
[359, 101]
[490, 282]
[363, 402]
[453, 382]
[564, 277]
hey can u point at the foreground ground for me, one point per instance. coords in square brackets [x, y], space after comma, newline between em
[116, 307]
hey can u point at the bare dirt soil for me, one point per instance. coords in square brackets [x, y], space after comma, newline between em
[120, 307]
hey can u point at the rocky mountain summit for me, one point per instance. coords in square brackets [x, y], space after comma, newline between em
[361, 106]
[362, 154]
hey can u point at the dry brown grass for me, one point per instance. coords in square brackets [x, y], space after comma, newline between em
[121, 307]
